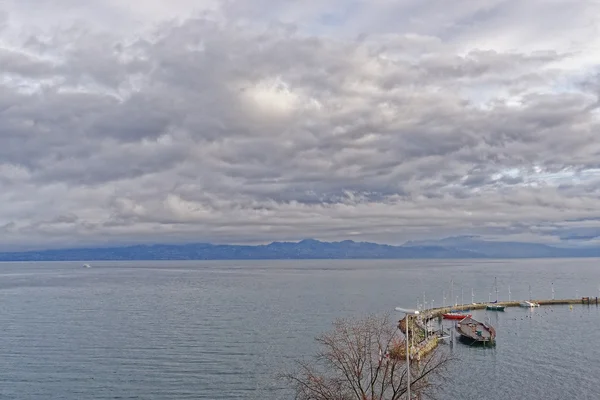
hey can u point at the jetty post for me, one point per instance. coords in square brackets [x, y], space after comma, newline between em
[408, 312]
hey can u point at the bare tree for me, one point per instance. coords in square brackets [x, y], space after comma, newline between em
[363, 359]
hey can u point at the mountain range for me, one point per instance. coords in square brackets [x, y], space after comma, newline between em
[453, 247]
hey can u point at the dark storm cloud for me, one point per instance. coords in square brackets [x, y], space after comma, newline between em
[209, 129]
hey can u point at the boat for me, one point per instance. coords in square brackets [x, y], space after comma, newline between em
[87, 266]
[475, 332]
[494, 306]
[528, 304]
[455, 315]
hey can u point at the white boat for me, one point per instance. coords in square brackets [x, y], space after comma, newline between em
[529, 304]
[87, 266]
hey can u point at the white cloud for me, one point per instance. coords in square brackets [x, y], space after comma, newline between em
[283, 120]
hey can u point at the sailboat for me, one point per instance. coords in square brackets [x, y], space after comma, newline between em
[530, 303]
[494, 306]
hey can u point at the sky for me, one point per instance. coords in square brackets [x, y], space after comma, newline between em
[239, 121]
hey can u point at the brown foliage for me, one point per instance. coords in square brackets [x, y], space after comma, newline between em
[354, 363]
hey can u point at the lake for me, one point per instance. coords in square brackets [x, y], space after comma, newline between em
[223, 329]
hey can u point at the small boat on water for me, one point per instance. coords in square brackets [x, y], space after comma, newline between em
[475, 332]
[493, 305]
[528, 304]
[455, 315]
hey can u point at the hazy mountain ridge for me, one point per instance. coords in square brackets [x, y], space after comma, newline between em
[499, 249]
[455, 247]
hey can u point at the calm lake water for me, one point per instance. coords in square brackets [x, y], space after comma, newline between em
[222, 330]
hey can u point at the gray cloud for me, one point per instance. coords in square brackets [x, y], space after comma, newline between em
[211, 128]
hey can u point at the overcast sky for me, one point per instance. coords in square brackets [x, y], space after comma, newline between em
[251, 121]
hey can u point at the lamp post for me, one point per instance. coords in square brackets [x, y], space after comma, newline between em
[407, 312]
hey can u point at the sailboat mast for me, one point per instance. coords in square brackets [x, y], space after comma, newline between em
[496, 285]
[444, 298]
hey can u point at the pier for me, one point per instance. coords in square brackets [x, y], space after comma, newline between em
[438, 311]
[425, 342]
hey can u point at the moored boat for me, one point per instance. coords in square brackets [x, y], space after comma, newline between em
[455, 315]
[493, 306]
[528, 304]
[475, 332]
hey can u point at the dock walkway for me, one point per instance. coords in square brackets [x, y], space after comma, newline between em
[438, 311]
[427, 344]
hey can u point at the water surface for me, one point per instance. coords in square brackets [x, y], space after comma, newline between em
[222, 330]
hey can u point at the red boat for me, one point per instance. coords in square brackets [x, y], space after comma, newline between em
[455, 315]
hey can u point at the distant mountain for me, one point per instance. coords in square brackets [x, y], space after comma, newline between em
[305, 249]
[494, 249]
[456, 247]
